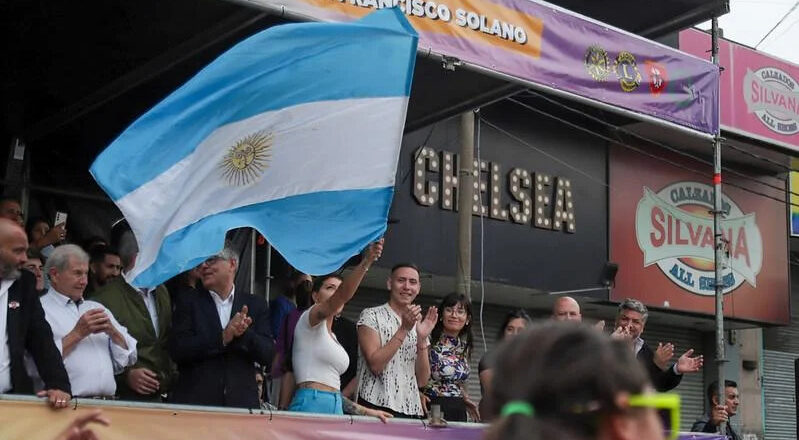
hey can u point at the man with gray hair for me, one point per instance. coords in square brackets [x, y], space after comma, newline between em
[218, 334]
[630, 323]
[93, 344]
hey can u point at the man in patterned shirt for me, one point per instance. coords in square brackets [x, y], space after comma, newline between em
[394, 340]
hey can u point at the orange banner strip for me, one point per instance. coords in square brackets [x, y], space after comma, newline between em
[532, 26]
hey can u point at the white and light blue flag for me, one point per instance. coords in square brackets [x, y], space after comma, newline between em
[295, 132]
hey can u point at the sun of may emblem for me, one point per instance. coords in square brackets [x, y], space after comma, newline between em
[246, 161]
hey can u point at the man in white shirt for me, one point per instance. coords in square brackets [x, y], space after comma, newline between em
[93, 344]
[394, 357]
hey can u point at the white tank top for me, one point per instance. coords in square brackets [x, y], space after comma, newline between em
[317, 356]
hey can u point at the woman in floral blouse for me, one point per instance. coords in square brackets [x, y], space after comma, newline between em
[449, 361]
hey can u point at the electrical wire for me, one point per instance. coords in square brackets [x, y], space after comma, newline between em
[790, 11]
[418, 153]
[652, 141]
[630, 147]
[549, 155]
[482, 240]
[756, 156]
[621, 144]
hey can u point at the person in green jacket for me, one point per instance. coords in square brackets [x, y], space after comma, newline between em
[147, 314]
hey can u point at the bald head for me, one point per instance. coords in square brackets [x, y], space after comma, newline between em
[13, 248]
[566, 308]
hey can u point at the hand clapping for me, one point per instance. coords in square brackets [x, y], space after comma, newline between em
[237, 326]
[688, 364]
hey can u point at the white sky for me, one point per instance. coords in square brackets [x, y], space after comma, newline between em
[750, 20]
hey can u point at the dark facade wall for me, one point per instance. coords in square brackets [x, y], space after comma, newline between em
[516, 254]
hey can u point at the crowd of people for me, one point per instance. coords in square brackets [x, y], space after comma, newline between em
[76, 328]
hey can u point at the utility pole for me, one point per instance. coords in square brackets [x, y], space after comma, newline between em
[463, 272]
[718, 240]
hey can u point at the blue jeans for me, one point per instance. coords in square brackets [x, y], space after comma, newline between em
[316, 401]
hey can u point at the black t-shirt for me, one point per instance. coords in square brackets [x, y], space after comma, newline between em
[487, 361]
[347, 336]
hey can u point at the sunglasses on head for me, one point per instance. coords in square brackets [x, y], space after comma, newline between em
[667, 406]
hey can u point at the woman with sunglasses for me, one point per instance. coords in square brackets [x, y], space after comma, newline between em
[318, 359]
[449, 361]
[569, 381]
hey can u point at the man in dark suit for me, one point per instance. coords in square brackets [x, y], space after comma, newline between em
[25, 327]
[217, 337]
[630, 323]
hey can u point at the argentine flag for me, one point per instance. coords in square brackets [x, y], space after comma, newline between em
[295, 131]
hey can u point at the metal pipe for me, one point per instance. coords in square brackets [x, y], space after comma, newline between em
[61, 192]
[268, 270]
[25, 193]
[466, 174]
[719, 242]
[253, 233]
[483, 99]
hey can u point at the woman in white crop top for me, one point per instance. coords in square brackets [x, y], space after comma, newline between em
[317, 357]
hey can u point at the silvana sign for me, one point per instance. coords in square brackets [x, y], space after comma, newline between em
[759, 93]
[662, 238]
[773, 96]
[675, 231]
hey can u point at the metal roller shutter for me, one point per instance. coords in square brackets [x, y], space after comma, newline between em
[779, 397]
[692, 388]
[784, 339]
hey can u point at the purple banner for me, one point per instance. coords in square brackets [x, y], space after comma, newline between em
[544, 44]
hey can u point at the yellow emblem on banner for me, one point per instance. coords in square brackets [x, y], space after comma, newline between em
[246, 161]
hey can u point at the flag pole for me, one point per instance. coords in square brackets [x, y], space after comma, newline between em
[463, 273]
[718, 240]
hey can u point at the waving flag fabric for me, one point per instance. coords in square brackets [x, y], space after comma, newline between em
[295, 131]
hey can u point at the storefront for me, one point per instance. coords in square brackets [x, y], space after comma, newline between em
[759, 106]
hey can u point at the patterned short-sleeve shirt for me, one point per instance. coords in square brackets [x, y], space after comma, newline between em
[395, 388]
[449, 368]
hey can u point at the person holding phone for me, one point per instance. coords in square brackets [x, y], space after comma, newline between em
[44, 238]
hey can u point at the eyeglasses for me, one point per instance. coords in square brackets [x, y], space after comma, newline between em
[667, 406]
[211, 260]
[455, 311]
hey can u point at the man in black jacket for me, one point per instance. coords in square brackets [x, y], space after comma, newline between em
[630, 323]
[720, 412]
[24, 327]
[217, 337]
